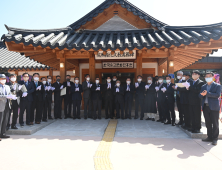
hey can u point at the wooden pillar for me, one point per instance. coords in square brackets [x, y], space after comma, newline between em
[92, 70]
[139, 63]
[170, 63]
[77, 68]
[51, 74]
[16, 72]
[62, 65]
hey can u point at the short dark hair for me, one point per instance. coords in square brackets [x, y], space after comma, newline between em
[49, 76]
[108, 77]
[209, 72]
[43, 78]
[87, 75]
[25, 74]
[76, 77]
[12, 75]
[168, 76]
[68, 75]
[36, 74]
[139, 76]
[97, 78]
[58, 76]
[114, 75]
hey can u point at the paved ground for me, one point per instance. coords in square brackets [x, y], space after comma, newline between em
[138, 145]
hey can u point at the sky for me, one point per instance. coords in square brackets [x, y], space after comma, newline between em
[48, 14]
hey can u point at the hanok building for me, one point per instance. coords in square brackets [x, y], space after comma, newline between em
[116, 38]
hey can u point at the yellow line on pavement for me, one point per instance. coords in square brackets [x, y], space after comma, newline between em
[101, 157]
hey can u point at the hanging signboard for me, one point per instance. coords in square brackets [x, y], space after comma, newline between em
[117, 65]
[117, 55]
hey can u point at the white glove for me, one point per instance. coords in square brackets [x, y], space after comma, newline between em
[61, 87]
[98, 88]
[14, 97]
[46, 88]
[20, 87]
[24, 94]
[14, 87]
[157, 88]
[136, 85]
[90, 85]
[77, 89]
[39, 87]
[52, 88]
[9, 96]
[117, 89]
[163, 89]
[146, 86]
[176, 86]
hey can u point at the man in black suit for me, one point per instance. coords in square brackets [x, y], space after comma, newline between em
[44, 103]
[113, 83]
[170, 100]
[119, 99]
[49, 97]
[184, 101]
[57, 98]
[68, 97]
[76, 90]
[26, 99]
[97, 98]
[108, 97]
[128, 95]
[195, 102]
[181, 116]
[210, 93]
[15, 90]
[139, 97]
[161, 99]
[37, 100]
[86, 86]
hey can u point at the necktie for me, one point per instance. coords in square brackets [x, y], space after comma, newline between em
[167, 85]
[194, 82]
[36, 84]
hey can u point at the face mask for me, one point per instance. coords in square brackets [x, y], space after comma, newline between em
[128, 82]
[168, 81]
[160, 81]
[195, 77]
[67, 79]
[139, 80]
[209, 79]
[149, 81]
[3, 81]
[108, 80]
[118, 84]
[58, 80]
[13, 79]
[44, 82]
[77, 81]
[183, 78]
[36, 78]
[114, 79]
[88, 79]
[178, 77]
[49, 80]
[97, 81]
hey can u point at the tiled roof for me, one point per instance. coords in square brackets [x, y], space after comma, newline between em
[14, 60]
[210, 60]
[125, 4]
[138, 38]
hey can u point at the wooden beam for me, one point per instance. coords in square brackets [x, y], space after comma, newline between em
[139, 62]
[92, 70]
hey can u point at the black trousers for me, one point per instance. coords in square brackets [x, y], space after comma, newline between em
[97, 104]
[212, 122]
[195, 112]
[109, 106]
[4, 119]
[186, 113]
[170, 112]
[14, 109]
[113, 107]
[120, 105]
[128, 107]
[162, 109]
[181, 116]
[36, 105]
[87, 104]
[44, 110]
[25, 106]
[49, 107]
[57, 108]
[67, 106]
[139, 103]
[76, 105]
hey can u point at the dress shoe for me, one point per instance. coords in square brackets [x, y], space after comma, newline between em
[207, 140]
[85, 117]
[0, 139]
[7, 128]
[141, 118]
[196, 131]
[148, 118]
[122, 118]
[37, 122]
[4, 136]
[159, 120]
[14, 127]
[106, 117]
[74, 118]
[90, 117]
[44, 120]
[50, 118]
[136, 117]
[79, 117]
[167, 122]
[65, 117]
[162, 121]
[117, 117]
[22, 125]
[179, 123]
[60, 118]
[99, 117]
[153, 119]
[130, 117]
[94, 118]
[28, 124]
[214, 142]
[189, 129]
[173, 124]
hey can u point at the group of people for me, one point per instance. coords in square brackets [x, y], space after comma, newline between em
[155, 94]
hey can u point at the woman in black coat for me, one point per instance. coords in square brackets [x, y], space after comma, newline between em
[150, 99]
